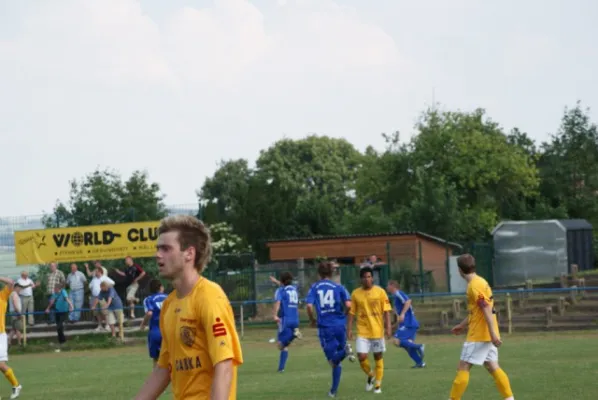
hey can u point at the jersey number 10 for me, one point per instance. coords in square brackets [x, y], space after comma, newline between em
[293, 297]
[326, 298]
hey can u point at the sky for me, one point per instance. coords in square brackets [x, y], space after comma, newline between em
[173, 87]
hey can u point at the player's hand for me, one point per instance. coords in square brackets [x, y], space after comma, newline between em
[312, 323]
[47, 311]
[457, 329]
[401, 318]
[350, 335]
[496, 340]
[276, 319]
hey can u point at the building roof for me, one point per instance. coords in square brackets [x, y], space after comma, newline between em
[368, 235]
[564, 224]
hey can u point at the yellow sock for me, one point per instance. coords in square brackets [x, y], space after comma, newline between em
[10, 376]
[459, 385]
[365, 366]
[379, 371]
[502, 383]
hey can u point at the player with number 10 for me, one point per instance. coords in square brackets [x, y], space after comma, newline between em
[331, 302]
[286, 314]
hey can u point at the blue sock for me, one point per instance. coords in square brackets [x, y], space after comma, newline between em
[414, 354]
[284, 354]
[336, 378]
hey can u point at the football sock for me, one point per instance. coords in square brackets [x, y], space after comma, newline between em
[415, 356]
[379, 371]
[284, 354]
[502, 383]
[336, 378]
[10, 376]
[365, 366]
[459, 385]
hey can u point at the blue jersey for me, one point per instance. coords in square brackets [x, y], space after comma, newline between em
[153, 303]
[289, 305]
[410, 321]
[329, 299]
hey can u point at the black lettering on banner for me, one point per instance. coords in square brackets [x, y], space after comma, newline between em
[101, 238]
[142, 235]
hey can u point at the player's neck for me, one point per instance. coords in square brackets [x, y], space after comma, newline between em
[469, 277]
[185, 282]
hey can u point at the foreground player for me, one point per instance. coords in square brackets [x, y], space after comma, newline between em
[408, 325]
[371, 307]
[6, 370]
[483, 338]
[286, 315]
[329, 298]
[200, 346]
[152, 305]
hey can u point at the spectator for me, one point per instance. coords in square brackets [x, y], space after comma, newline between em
[96, 264]
[76, 282]
[15, 307]
[95, 286]
[111, 302]
[54, 278]
[133, 274]
[27, 301]
[61, 303]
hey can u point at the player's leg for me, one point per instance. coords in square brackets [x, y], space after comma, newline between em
[362, 346]
[330, 347]
[344, 345]
[60, 319]
[379, 347]
[404, 338]
[154, 344]
[6, 370]
[285, 337]
[131, 292]
[500, 377]
[473, 353]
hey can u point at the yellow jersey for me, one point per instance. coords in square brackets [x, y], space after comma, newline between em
[198, 332]
[478, 290]
[4, 295]
[369, 307]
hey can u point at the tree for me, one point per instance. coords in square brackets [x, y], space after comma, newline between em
[225, 241]
[102, 197]
[569, 167]
[297, 188]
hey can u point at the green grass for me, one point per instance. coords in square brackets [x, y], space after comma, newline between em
[541, 366]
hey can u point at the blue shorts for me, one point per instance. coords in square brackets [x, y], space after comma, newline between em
[404, 333]
[154, 344]
[286, 334]
[332, 339]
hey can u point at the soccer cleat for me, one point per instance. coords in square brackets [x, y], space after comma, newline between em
[332, 395]
[16, 391]
[369, 384]
[349, 351]
[297, 333]
[422, 365]
[377, 390]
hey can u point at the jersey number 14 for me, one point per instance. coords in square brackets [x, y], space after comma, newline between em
[326, 298]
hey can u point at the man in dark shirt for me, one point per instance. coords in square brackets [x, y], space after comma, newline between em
[133, 274]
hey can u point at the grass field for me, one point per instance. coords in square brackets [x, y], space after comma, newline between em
[541, 366]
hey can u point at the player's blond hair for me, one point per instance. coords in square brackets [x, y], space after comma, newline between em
[191, 233]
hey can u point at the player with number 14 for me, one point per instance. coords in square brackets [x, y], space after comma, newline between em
[331, 302]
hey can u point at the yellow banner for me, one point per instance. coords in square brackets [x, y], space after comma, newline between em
[86, 243]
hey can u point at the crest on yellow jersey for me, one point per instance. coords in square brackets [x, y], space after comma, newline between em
[187, 335]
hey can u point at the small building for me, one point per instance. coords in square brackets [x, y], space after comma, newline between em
[415, 249]
[541, 249]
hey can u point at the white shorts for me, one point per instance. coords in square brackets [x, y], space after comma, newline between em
[477, 353]
[364, 346]
[3, 347]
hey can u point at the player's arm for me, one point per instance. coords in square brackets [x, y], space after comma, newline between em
[141, 274]
[386, 309]
[148, 314]
[7, 281]
[50, 305]
[487, 310]
[223, 377]
[276, 307]
[223, 344]
[118, 271]
[351, 316]
[155, 385]
[310, 300]
[274, 281]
